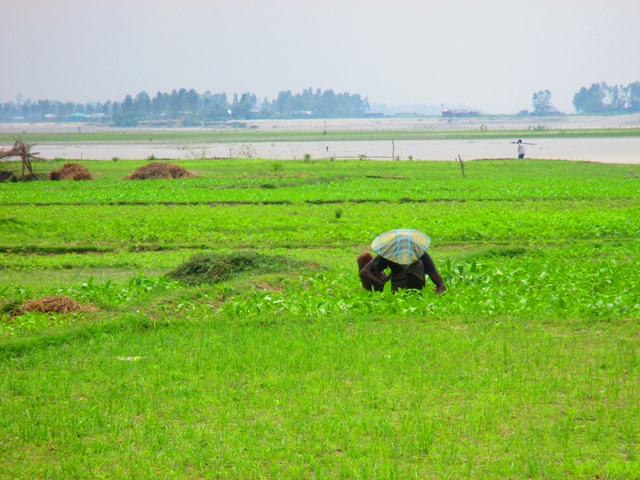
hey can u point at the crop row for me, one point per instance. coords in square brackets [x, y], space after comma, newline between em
[350, 181]
[117, 227]
[537, 285]
[310, 190]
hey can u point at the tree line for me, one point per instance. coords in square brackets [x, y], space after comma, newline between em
[601, 98]
[189, 106]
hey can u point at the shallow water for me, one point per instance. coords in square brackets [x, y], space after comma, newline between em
[605, 150]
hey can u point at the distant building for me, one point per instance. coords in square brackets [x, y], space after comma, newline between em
[458, 113]
[97, 117]
[77, 117]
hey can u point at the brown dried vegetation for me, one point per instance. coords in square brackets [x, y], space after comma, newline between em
[55, 304]
[155, 170]
[70, 171]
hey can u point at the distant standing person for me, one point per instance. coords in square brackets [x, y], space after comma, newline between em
[520, 149]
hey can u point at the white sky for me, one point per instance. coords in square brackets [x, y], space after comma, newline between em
[489, 55]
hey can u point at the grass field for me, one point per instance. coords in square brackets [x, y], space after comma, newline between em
[527, 367]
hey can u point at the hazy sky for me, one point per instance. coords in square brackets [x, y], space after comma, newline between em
[489, 55]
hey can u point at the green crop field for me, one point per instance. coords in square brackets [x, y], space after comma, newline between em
[224, 333]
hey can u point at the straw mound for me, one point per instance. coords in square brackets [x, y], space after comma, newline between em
[158, 170]
[70, 171]
[55, 304]
[217, 267]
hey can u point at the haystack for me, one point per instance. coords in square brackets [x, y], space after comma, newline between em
[155, 170]
[55, 304]
[70, 171]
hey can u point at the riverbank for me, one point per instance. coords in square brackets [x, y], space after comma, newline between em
[358, 124]
[610, 139]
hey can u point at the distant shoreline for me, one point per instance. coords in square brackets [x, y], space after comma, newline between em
[607, 139]
[356, 124]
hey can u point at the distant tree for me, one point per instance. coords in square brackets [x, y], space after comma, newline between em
[160, 105]
[115, 108]
[44, 108]
[602, 98]
[65, 109]
[176, 104]
[216, 106]
[27, 108]
[307, 101]
[244, 106]
[542, 104]
[633, 97]
[142, 105]
[267, 110]
[191, 101]
[107, 108]
[128, 107]
[127, 116]
[90, 108]
[589, 100]
[284, 104]
[328, 104]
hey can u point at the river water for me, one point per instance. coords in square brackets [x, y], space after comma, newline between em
[605, 150]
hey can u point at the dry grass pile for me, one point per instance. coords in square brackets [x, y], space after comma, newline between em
[155, 170]
[70, 171]
[217, 267]
[55, 304]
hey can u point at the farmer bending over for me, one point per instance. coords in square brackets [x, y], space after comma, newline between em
[404, 251]
[373, 276]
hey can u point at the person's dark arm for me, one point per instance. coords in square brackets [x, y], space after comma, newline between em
[430, 270]
[373, 276]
